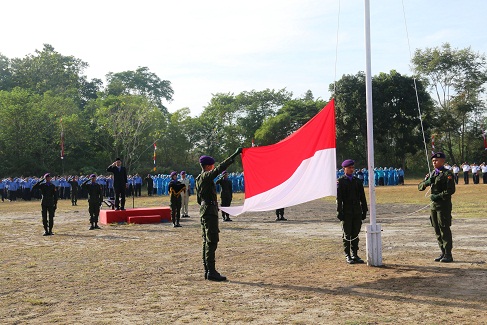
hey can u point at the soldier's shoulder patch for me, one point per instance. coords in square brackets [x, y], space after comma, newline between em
[450, 176]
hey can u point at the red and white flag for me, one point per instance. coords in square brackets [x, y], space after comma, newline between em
[300, 168]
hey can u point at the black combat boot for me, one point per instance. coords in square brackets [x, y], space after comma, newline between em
[357, 259]
[213, 275]
[349, 259]
[441, 256]
[448, 258]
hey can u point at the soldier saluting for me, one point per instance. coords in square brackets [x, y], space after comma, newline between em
[48, 203]
[120, 182]
[95, 199]
[442, 184]
[207, 199]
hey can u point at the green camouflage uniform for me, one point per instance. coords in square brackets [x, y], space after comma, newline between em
[207, 199]
[442, 188]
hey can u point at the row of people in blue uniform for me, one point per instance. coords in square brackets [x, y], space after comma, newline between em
[382, 176]
[21, 187]
[161, 183]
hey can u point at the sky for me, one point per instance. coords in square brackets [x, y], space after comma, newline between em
[216, 46]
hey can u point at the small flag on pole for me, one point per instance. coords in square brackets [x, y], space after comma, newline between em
[154, 158]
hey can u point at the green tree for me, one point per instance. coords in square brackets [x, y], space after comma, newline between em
[29, 138]
[5, 73]
[124, 125]
[457, 78]
[397, 131]
[254, 107]
[293, 115]
[140, 82]
[48, 70]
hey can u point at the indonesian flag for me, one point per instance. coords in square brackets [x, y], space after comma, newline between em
[300, 168]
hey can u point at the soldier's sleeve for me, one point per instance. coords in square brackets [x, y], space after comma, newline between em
[222, 166]
[450, 186]
[339, 197]
[363, 200]
[424, 184]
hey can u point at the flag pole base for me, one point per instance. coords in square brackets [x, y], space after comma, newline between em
[374, 245]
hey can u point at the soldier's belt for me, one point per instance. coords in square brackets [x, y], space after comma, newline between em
[209, 203]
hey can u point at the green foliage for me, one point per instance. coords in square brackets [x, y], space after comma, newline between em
[457, 78]
[46, 92]
[397, 131]
[293, 115]
[140, 82]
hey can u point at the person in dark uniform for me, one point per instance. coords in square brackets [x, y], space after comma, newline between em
[150, 185]
[73, 181]
[280, 214]
[95, 199]
[442, 182]
[351, 210]
[119, 183]
[226, 193]
[207, 199]
[48, 203]
[176, 189]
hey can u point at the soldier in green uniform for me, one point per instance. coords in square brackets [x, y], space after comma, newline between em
[48, 202]
[207, 199]
[95, 199]
[351, 210]
[442, 182]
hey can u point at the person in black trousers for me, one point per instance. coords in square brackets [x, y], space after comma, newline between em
[48, 203]
[119, 183]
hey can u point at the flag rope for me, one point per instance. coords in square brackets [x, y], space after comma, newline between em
[416, 91]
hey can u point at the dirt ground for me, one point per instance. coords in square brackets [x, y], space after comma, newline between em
[289, 272]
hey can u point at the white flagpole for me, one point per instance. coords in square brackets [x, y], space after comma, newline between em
[374, 242]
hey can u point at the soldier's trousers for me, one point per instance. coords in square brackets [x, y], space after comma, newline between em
[175, 210]
[47, 217]
[94, 210]
[185, 202]
[211, 237]
[351, 228]
[441, 221]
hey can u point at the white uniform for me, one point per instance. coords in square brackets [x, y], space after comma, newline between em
[185, 198]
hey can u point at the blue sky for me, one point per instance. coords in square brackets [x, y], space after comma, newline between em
[207, 47]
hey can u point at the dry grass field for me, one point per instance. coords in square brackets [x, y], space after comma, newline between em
[290, 272]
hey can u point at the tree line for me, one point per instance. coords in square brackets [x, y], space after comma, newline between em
[47, 102]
